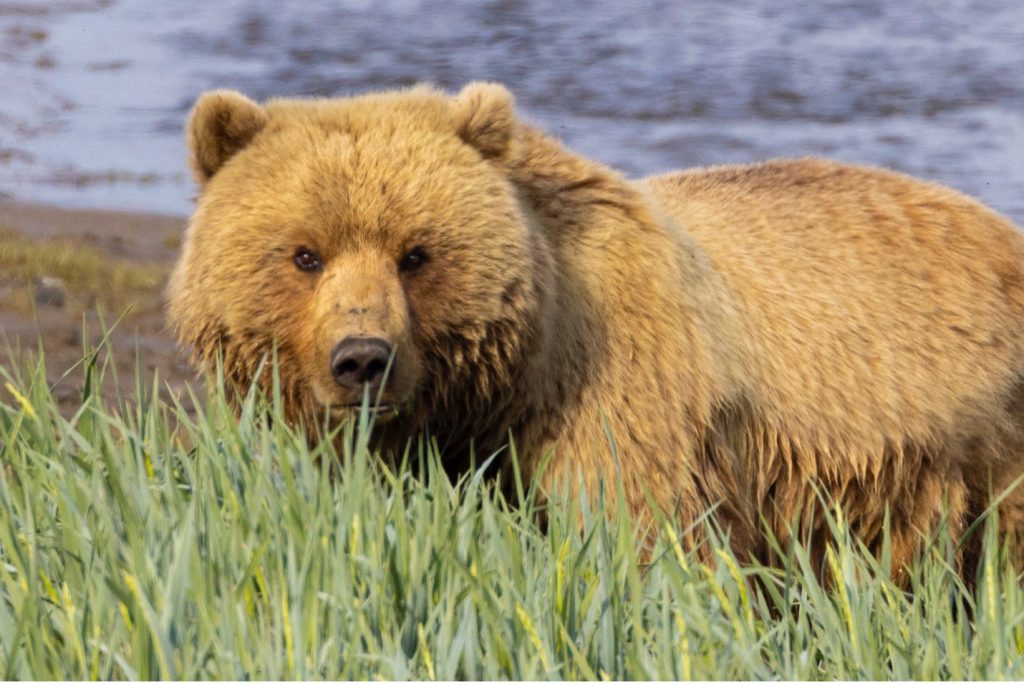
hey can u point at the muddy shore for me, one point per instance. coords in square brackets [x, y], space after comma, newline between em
[59, 315]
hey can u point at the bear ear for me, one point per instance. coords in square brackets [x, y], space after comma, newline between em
[222, 123]
[485, 117]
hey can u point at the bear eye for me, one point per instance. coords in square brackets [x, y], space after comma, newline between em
[413, 260]
[307, 260]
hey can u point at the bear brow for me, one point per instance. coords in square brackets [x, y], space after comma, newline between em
[272, 254]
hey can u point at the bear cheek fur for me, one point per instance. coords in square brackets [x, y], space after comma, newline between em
[268, 318]
[479, 321]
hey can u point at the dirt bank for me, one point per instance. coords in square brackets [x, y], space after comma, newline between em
[63, 272]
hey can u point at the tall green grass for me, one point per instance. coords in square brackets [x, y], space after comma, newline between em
[139, 542]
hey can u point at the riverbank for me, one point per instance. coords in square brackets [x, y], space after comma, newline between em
[69, 278]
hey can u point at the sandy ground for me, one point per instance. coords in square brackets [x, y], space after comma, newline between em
[140, 335]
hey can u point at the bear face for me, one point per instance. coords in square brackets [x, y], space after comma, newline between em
[357, 239]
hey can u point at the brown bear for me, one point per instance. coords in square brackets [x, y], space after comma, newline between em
[739, 338]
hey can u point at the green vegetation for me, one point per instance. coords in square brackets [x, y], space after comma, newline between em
[137, 542]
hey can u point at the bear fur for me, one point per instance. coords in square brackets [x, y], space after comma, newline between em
[745, 337]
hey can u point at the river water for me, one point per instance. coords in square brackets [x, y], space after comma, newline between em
[95, 92]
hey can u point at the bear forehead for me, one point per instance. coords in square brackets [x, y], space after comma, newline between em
[356, 182]
[341, 182]
[399, 113]
[356, 150]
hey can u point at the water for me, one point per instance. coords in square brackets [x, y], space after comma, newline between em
[96, 92]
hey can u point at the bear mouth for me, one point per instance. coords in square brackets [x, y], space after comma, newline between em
[379, 412]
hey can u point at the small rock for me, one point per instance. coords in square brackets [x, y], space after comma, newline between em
[50, 291]
[73, 337]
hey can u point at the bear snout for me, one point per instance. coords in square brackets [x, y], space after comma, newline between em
[356, 362]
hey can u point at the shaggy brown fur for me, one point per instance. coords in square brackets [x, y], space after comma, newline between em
[744, 334]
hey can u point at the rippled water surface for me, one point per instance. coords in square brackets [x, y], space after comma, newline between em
[95, 93]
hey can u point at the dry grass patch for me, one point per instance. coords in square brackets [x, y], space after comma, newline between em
[88, 277]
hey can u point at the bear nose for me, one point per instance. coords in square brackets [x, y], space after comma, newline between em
[360, 361]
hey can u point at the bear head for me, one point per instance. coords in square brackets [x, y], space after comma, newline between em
[373, 246]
